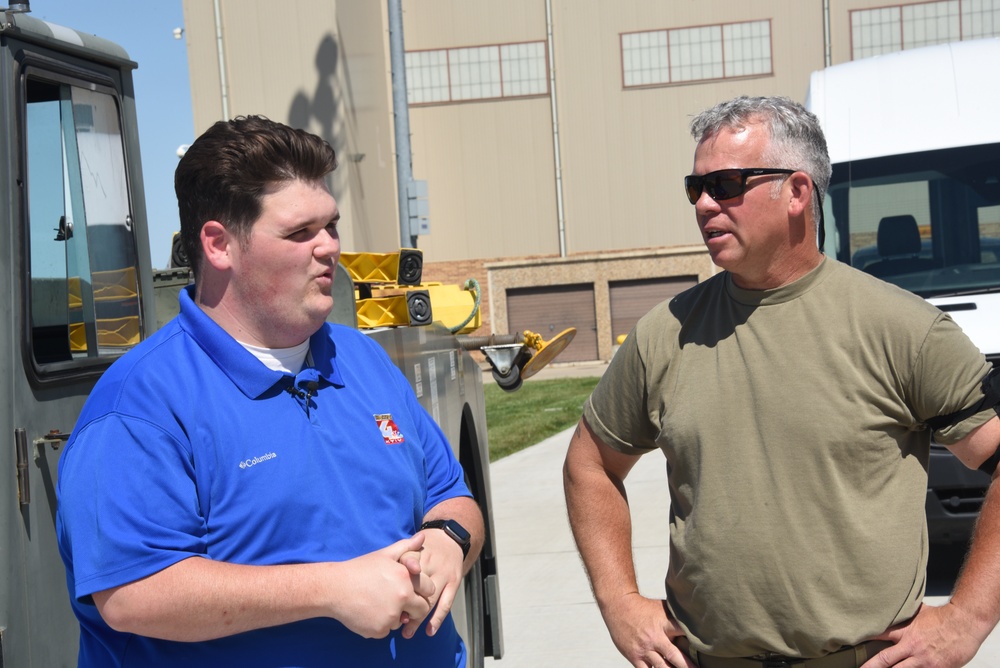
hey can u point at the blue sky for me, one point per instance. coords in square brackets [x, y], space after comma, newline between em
[162, 91]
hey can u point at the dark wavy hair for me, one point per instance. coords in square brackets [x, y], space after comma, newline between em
[226, 171]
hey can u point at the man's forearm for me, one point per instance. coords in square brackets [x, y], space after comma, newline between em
[977, 591]
[199, 599]
[600, 519]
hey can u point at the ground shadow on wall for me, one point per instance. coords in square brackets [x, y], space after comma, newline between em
[321, 106]
[327, 107]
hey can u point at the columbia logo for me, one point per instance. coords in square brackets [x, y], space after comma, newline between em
[247, 463]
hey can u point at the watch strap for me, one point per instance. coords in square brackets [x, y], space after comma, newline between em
[453, 530]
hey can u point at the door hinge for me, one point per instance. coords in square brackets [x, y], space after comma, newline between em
[23, 485]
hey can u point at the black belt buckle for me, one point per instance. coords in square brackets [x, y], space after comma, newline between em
[776, 663]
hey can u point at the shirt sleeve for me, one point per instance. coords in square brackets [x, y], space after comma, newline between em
[128, 505]
[619, 408]
[948, 378]
[445, 477]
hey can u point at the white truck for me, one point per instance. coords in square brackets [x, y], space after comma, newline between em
[915, 200]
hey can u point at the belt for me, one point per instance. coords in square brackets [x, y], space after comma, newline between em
[849, 657]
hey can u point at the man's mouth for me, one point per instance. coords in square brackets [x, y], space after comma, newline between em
[715, 233]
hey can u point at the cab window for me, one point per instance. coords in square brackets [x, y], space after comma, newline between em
[84, 287]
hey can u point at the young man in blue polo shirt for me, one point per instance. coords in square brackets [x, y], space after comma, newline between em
[252, 485]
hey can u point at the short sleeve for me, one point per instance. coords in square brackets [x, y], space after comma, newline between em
[618, 409]
[445, 478]
[948, 378]
[128, 504]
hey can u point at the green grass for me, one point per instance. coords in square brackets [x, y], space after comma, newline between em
[541, 408]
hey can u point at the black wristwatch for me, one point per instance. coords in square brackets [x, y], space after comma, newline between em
[455, 530]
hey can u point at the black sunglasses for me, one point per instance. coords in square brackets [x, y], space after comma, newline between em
[725, 183]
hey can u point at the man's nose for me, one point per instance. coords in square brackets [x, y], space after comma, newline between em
[705, 203]
[328, 244]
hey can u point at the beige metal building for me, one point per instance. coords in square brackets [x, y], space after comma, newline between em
[552, 133]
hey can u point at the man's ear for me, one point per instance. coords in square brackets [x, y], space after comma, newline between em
[801, 188]
[216, 245]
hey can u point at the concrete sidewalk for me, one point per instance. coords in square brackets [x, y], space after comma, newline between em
[549, 614]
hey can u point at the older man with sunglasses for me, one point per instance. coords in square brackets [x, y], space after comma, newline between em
[794, 399]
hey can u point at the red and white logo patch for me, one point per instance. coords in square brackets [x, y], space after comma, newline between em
[390, 432]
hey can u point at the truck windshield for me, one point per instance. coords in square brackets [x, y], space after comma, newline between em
[928, 222]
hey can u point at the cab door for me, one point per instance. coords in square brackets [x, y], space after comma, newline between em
[79, 309]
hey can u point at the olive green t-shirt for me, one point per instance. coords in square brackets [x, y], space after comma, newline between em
[792, 421]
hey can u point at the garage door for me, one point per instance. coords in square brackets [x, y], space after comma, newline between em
[550, 309]
[630, 300]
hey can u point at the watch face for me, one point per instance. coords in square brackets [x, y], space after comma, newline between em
[459, 532]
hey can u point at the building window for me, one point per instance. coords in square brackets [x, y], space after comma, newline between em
[695, 53]
[875, 31]
[476, 73]
[930, 23]
[748, 48]
[980, 18]
[898, 27]
[644, 58]
[678, 55]
[523, 69]
[427, 77]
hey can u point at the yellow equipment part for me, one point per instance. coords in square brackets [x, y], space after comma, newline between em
[114, 284]
[450, 305]
[383, 312]
[111, 333]
[389, 293]
[75, 293]
[546, 351]
[77, 337]
[110, 285]
[400, 267]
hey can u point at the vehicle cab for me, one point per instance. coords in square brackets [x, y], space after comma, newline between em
[915, 200]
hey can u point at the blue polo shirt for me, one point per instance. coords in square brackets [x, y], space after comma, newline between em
[190, 446]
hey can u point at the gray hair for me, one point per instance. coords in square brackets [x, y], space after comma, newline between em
[797, 140]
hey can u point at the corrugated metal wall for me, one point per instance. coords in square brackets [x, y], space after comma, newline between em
[316, 64]
[624, 152]
[490, 164]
